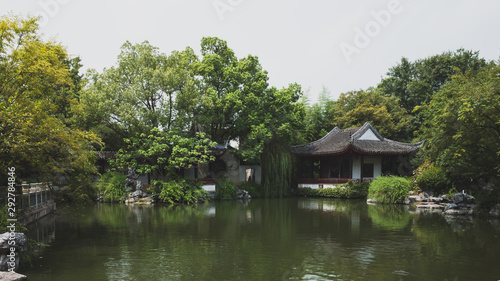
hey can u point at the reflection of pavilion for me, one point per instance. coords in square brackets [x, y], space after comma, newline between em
[358, 154]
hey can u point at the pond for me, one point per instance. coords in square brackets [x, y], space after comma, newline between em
[280, 239]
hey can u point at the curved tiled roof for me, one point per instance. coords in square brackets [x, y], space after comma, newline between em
[339, 141]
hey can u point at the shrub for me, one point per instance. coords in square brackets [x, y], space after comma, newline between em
[112, 186]
[433, 179]
[357, 190]
[389, 189]
[253, 188]
[179, 191]
[225, 189]
[350, 190]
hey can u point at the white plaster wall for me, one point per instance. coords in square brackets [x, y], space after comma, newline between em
[369, 135]
[209, 187]
[316, 185]
[356, 167]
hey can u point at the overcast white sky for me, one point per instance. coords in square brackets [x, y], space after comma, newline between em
[342, 45]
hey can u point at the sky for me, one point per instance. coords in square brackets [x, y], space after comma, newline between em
[339, 45]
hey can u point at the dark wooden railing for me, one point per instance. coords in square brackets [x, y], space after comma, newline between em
[322, 180]
[207, 181]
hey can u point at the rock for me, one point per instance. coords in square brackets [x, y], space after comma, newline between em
[435, 199]
[138, 186]
[243, 194]
[495, 212]
[414, 199]
[445, 198]
[145, 201]
[137, 194]
[20, 246]
[131, 181]
[459, 212]
[371, 201]
[12, 276]
[450, 206]
[463, 198]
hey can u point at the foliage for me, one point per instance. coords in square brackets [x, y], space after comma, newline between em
[138, 94]
[350, 190]
[230, 89]
[162, 153]
[486, 200]
[4, 216]
[35, 79]
[225, 189]
[254, 189]
[354, 109]
[433, 178]
[389, 189]
[112, 186]
[462, 127]
[319, 117]
[179, 191]
[414, 83]
[275, 118]
[276, 169]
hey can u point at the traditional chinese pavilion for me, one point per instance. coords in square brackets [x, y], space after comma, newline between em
[358, 154]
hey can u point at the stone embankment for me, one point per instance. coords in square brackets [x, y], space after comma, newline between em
[459, 204]
[9, 259]
[12, 276]
[139, 197]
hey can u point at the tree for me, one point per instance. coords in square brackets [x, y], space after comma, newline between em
[230, 90]
[462, 126]
[353, 109]
[163, 153]
[273, 128]
[319, 119]
[414, 83]
[137, 95]
[32, 138]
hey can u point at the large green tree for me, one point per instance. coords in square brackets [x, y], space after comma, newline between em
[230, 90]
[414, 83]
[462, 126]
[353, 109]
[138, 94]
[34, 75]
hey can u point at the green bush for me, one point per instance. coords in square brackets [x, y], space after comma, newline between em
[390, 189]
[179, 191]
[433, 179]
[357, 190]
[225, 189]
[253, 188]
[112, 186]
[350, 190]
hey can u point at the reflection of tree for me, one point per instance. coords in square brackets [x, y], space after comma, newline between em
[389, 217]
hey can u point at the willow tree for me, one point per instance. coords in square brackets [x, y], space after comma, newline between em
[273, 128]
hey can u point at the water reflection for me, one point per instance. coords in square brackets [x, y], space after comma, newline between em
[282, 239]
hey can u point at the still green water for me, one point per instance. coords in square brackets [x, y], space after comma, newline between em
[282, 239]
